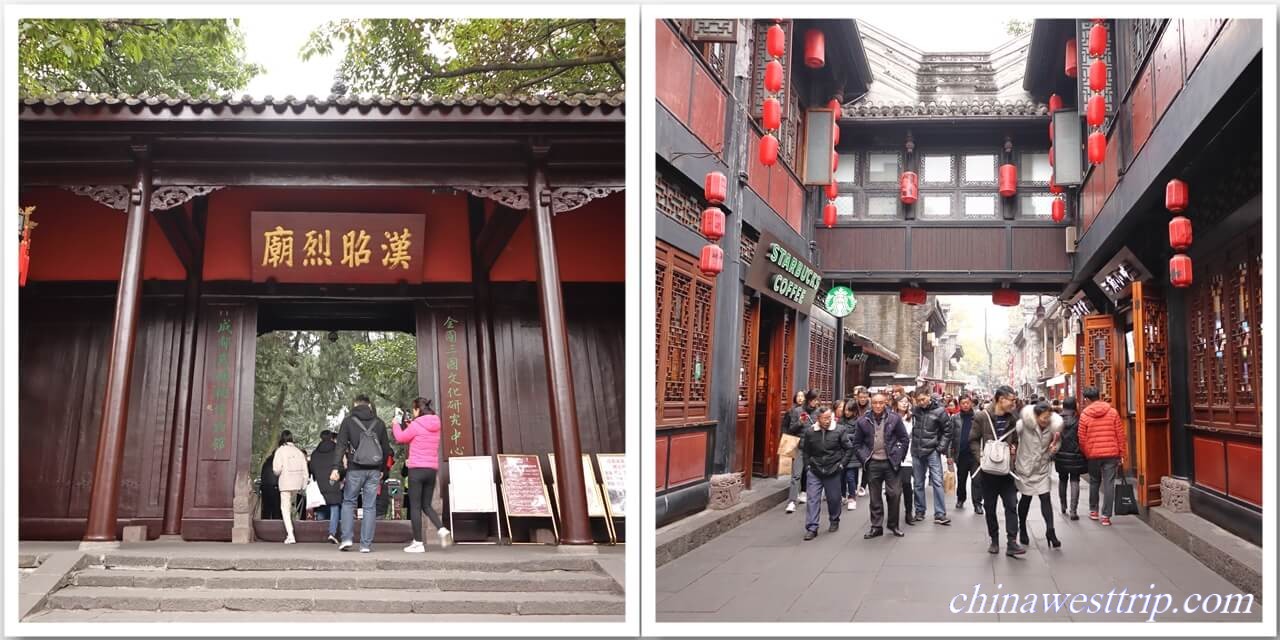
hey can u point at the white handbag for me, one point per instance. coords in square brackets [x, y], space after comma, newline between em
[995, 453]
[315, 499]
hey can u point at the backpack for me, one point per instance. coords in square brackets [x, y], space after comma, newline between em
[368, 451]
[995, 453]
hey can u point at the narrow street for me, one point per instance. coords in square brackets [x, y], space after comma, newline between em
[763, 571]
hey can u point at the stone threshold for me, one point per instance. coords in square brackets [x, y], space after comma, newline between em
[687, 534]
[1236, 560]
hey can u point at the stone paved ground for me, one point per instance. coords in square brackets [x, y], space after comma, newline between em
[763, 571]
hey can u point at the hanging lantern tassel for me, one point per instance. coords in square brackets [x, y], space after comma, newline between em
[1180, 271]
[1097, 147]
[711, 262]
[1059, 210]
[829, 214]
[768, 150]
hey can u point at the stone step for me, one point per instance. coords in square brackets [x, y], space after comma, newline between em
[337, 580]
[376, 601]
[349, 561]
[226, 615]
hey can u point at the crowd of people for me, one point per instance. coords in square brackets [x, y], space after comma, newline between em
[350, 468]
[892, 446]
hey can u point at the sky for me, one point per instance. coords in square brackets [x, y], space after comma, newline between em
[948, 29]
[275, 44]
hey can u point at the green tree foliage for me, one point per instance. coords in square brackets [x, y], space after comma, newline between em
[132, 56]
[305, 381]
[1015, 27]
[483, 56]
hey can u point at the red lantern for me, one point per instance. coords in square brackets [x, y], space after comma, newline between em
[815, 49]
[909, 187]
[772, 114]
[832, 190]
[1008, 185]
[1050, 155]
[1096, 111]
[1180, 233]
[715, 187]
[1180, 271]
[835, 161]
[1097, 147]
[1176, 196]
[835, 134]
[913, 295]
[1098, 75]
[1050, 131]
[1055, 103]
[24, 261]
[1054, 187]
[1097, 40]
[713, 223]
[775, 42]
[829, 214]
[711, 262]
[1005, 297]
[768, 150]
[773, 76]
[1072, 58]
[1059, 209]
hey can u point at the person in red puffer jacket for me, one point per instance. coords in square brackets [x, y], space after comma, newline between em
[1102, 441]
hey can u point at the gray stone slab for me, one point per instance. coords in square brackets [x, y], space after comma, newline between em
[831, 597]
[708, 593]
[674, 576]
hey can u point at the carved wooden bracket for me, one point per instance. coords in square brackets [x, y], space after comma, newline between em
[562, 198]
[119, 196]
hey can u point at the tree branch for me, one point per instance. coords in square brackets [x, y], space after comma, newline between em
[527, 66]
[530, 83]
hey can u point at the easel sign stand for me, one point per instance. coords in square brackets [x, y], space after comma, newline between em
[595, 504]
[472, 491]
[613, 473]
[524, 495]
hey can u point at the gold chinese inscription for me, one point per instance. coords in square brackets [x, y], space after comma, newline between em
[355, 248]
[278, 249]
[396, 249]
[317, 249]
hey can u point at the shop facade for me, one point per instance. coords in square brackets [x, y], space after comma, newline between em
[171, 232]
[732, 349]
[1182, 363]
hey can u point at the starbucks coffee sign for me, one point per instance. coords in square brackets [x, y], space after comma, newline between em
[780, 273]
[840, 301]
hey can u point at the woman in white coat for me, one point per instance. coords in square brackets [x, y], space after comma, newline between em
[1039, 431]
[290, 467]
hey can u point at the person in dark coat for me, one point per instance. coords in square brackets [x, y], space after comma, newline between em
[269, 487]
[795, 423]
[1070, 461]
[880, 441]
[849, 413]
[363, 476]
[826, 452]
[930, 440]
[323, 460]
[967, 472]
[999, 422]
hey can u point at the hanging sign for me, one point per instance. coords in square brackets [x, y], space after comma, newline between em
[342, 248]
[783, 275]
[840, 301]
[1116, 278]
[522, 489]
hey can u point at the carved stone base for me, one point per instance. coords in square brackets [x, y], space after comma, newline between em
[1175, 494]
[726, 490]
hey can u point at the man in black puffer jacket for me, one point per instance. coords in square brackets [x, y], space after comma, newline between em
[825, 454]
[930, 439]
[323, 460]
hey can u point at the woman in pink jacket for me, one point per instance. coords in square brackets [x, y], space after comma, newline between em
[423, 438]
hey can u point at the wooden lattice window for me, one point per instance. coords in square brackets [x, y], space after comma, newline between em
[787, 328]
[822, 355]
[677, 203]
[1155, 351]
[1100, 344]
[747, 247]
[713, 40]
[686, 316]
[1225, 327]
[745, 349]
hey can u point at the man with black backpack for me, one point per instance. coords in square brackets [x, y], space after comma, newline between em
[363, 436]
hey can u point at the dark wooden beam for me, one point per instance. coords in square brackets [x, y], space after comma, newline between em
[173, 222]
[495, 235]
[490, 413]
[104, 496]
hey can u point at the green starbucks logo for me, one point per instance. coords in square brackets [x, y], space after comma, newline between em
[840, 301]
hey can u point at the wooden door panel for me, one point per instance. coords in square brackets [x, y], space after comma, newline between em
[1151, 395]
[746, 387]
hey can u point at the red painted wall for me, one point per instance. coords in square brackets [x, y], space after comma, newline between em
[79, 239]
[447, 242]
[590, 245]
[775, 185]
[688, 90]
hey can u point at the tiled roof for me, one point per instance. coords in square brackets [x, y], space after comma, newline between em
[342, 104]
[958, 109]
